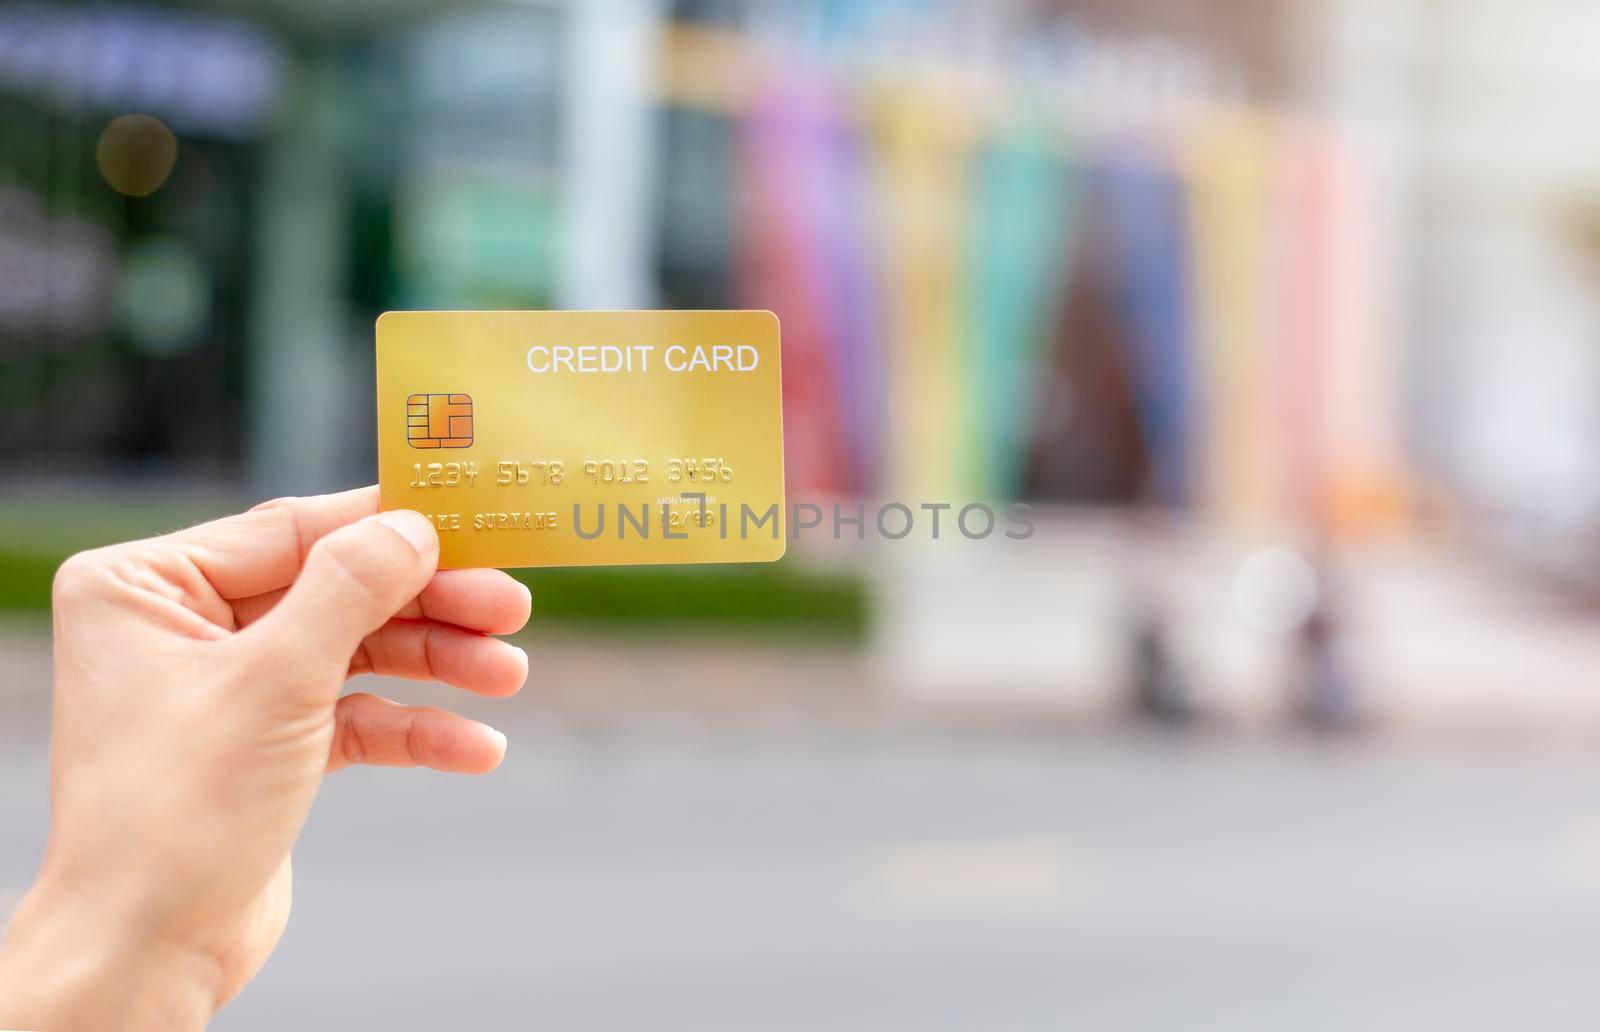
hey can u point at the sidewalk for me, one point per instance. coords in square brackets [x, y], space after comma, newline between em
[1440, 643]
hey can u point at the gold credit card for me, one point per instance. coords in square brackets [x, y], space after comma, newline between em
[585, 438]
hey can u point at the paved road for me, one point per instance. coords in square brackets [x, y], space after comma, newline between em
[670, 877]
[803, 884]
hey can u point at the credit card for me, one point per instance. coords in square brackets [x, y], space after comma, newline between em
[585, 438]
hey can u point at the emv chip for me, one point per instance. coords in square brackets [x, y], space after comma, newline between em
[439, 420]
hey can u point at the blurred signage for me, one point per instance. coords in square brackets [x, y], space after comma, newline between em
[201, 73]
[55, 274]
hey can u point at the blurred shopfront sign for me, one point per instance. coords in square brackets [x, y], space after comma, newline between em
[56, 273]
[202, 73]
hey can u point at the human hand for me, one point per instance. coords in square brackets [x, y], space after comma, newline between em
[196, 709]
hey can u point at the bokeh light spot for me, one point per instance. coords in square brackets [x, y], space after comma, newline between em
[163, 300]
[136, 154]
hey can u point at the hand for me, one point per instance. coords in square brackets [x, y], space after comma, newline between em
[197, 707]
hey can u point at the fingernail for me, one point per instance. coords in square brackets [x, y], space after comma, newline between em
[414, 527]
[497, 736]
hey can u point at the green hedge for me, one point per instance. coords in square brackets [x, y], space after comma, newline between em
[781, 597]
[25, 579]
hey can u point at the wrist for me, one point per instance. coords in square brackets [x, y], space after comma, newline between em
[66, 964]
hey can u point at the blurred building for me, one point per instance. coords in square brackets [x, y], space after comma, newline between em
[1316, 176]
[1320, 274]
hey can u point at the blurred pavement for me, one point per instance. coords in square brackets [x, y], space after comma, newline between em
[770, 869]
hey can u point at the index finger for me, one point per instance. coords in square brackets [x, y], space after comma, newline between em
[263, 549]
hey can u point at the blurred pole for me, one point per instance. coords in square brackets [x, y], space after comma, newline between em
[297, 371]
[611, 55]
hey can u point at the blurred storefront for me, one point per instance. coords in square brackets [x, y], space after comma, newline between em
[1308, 280]
[126, 273]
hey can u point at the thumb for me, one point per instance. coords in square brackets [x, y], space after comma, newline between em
[353, 581]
